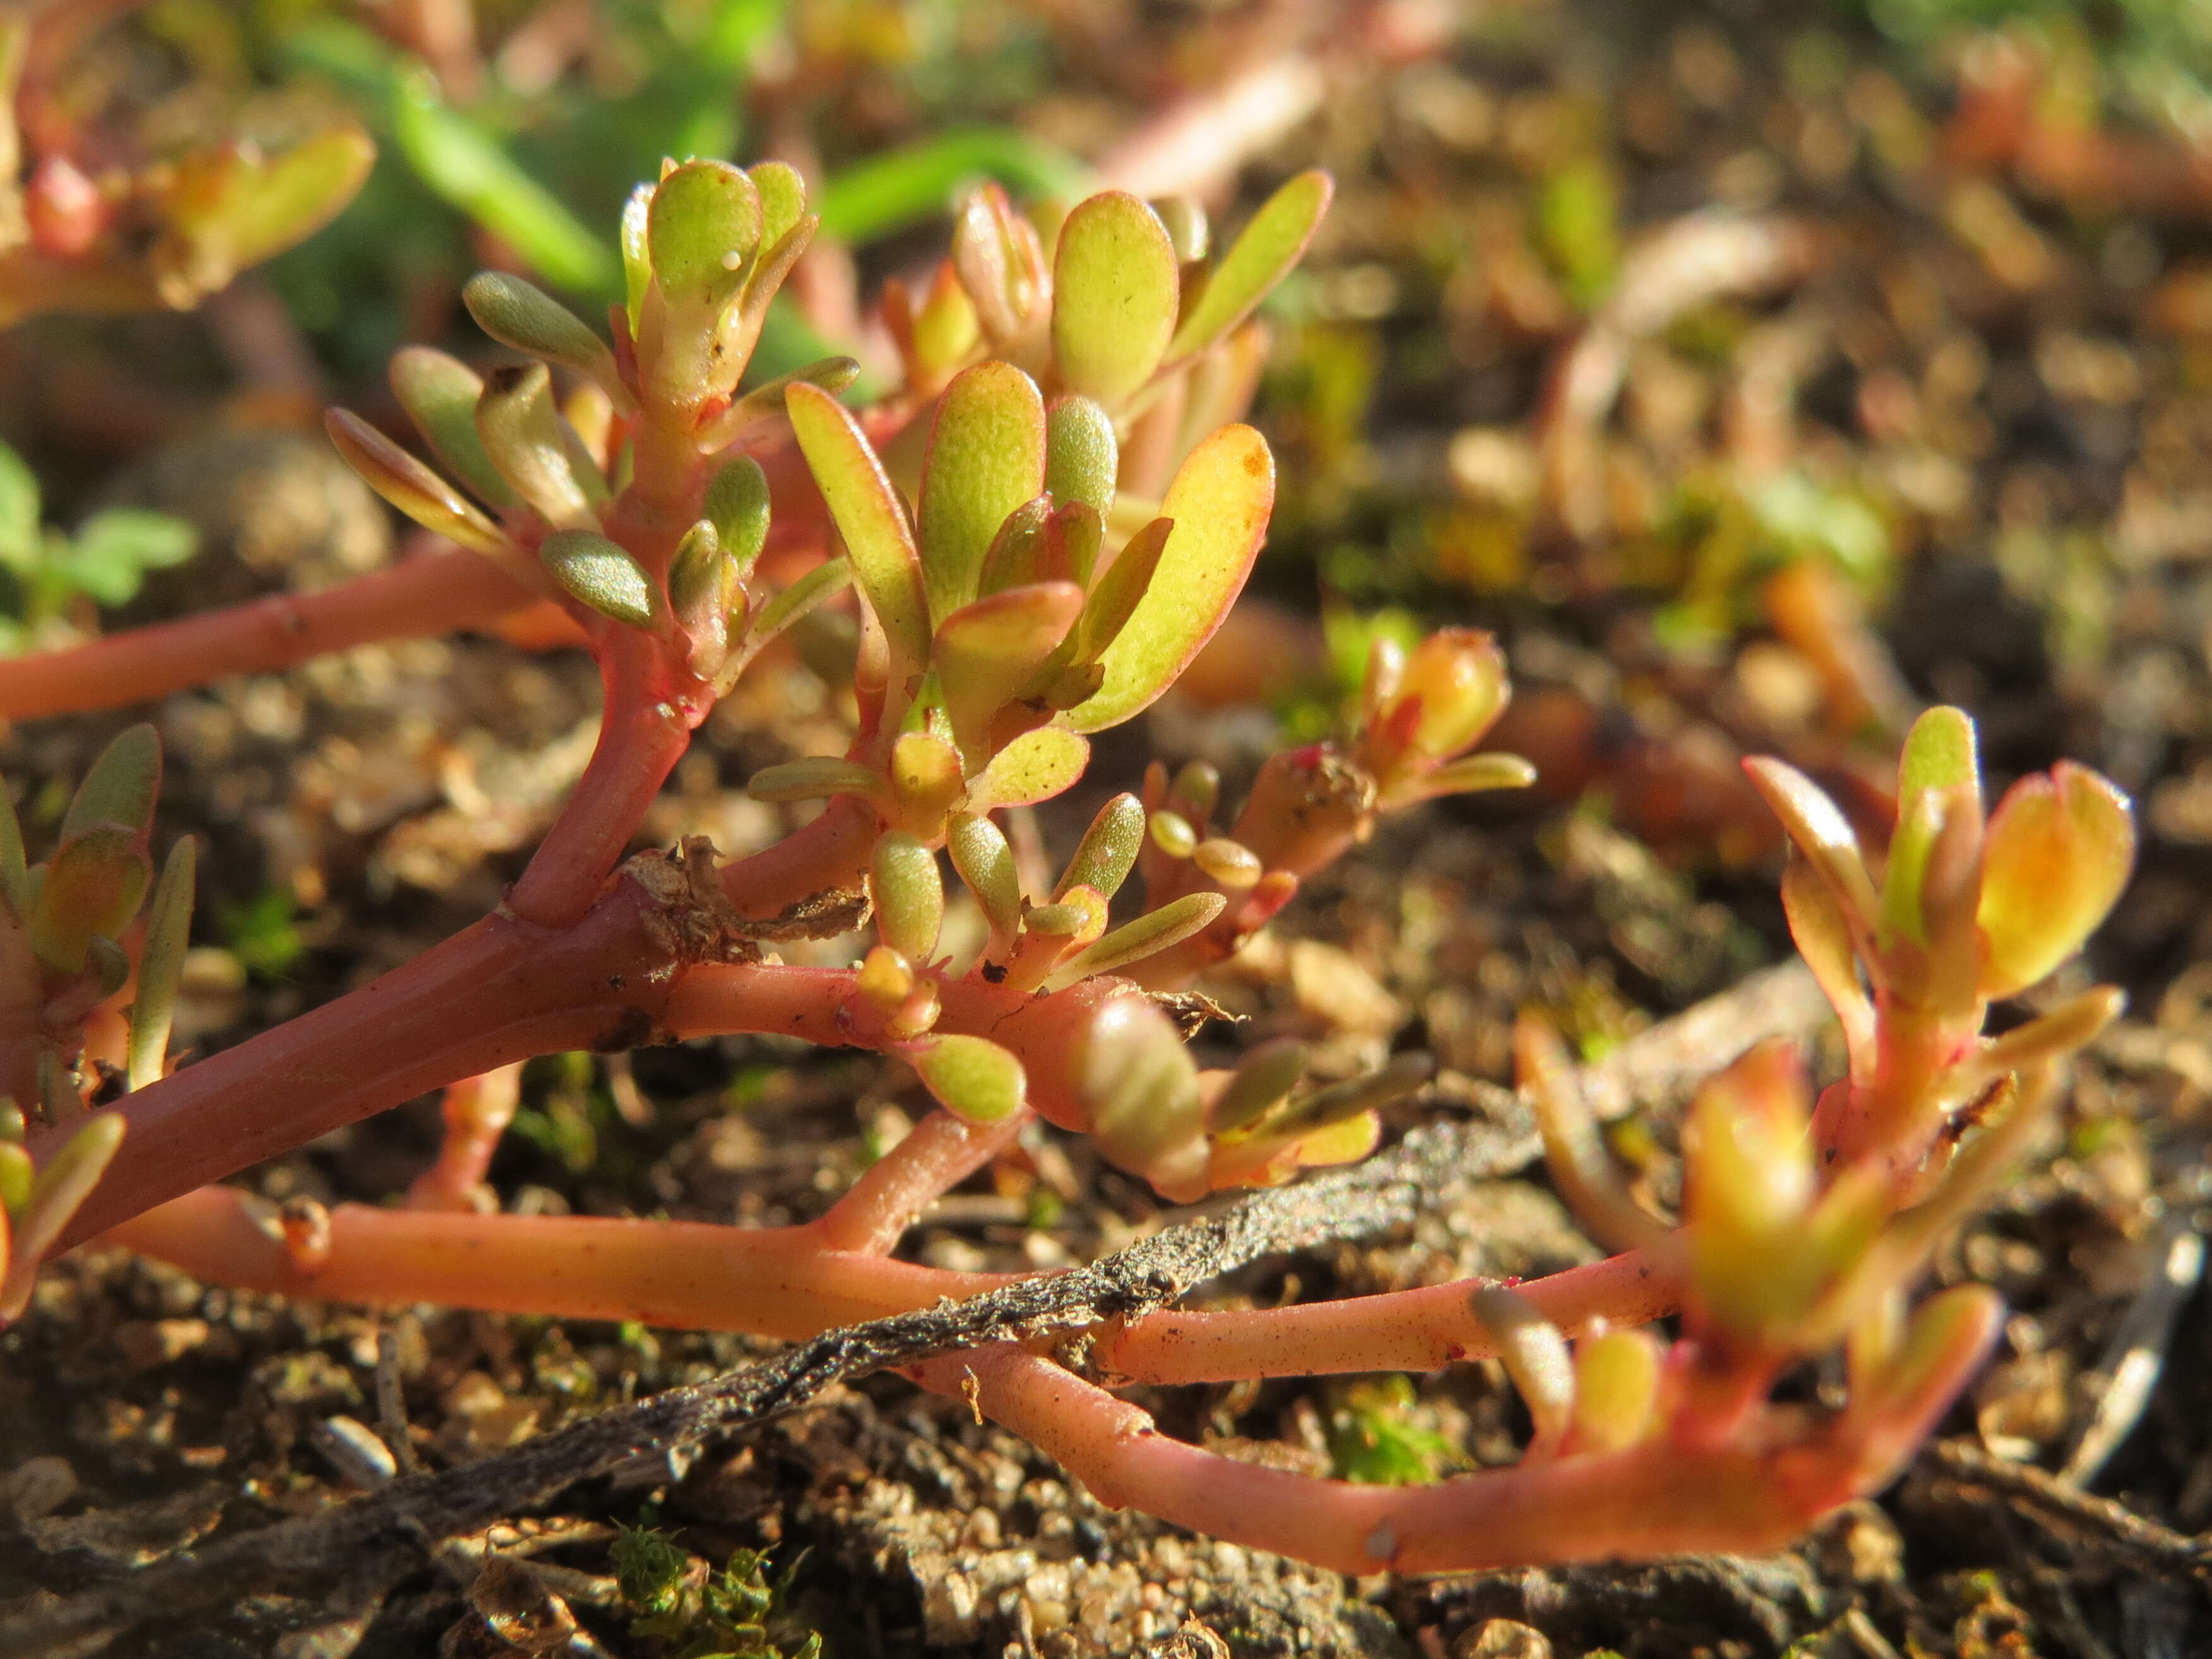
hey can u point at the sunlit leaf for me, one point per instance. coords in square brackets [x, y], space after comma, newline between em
[601, 575]
[1260, 257]
[519, 314]
[1219, 503]
[413, 487]
[2058, 851]
[971, 1077]
[1115, 294]
[986, 651]
[1082, 456]
[703, 225]
[1147, 935]
[440, 394]
[869, 516]
[1035, 766]
[986, 450]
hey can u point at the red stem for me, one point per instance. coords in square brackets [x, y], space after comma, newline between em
[645, 729]
[501, 990]
[431, 593]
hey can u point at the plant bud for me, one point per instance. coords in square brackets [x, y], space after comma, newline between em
[1172, 834]
[782, 195]
[1019, 553]
[1082, 455]
[1231, 864]
[980, 853]
[1107, 851]
[702, 227]
[988, 650]
[600, 575]
[1535, 1357]
[919, 1012]
[946, 329]
[909, 895]
[926, 779]
[1617, 1376]
[2058, 850]
[516, 313]
[1139, 1096]
[1196, 792]
[886, 978]
[971, 1077]
[1458, 678]
[63, 210]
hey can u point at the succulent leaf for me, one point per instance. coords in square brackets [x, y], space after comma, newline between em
[440, 394]
[1082, 456]
[522, 315]
[701, 230]
[413, 487]
[971, 1077]
[1219, 503]
[1115, 294]
[986, 651]
[1035, 766]
[162, 965]
[1259, 258]
[2058, 850]
[601, 575]
[120, 788]
[986, 457]
[869, 516]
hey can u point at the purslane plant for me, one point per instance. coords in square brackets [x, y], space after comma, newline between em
[1030, 595]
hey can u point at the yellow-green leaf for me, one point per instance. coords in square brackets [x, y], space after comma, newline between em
[1219, 503]
[986, 652]
[1035, 766]
[1114, 293]
[1259, 259]
[986, 458]
[869, 516]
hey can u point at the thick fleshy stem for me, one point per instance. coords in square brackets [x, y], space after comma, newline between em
[1653, 1498]
[652, 708]
[435, 592]
[477, 1111]
[772, 1281]
[873, 1213]
[1416, 1330]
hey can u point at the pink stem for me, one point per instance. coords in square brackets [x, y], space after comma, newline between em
[645, 727]
[434, 593]
[771, 1281]
[1417, 1330]
[873, 1213]
[477, 1111]
[1652, 1499]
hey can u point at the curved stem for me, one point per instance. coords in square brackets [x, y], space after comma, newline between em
[1652, 1499]
[645, 728]
[499, 990]
[431, 593]
[1417, 1330]
[828, 855]
[873, 1213]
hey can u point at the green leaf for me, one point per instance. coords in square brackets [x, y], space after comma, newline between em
[440, 394]
[20, 540]
[986, 458]
[162, 964]
[738, 507]
[464, 165]
[600, 575]
[986, 652]
[1219, 503]
[1109, 849]
[1115, 596]
[815, 778]
[905, 187]
[535, 450]
[521, 314]
[782, 197]
[121, 787]
[2057, 853]
[15, 873]
[636, 257]
[1115, 294]
[702, 232]
[1035, 766]
[93, 887]
[909, 895]
[1019, 553]
[970, 1077]
[413, 487]
[818, 584]
[869, 516]
[1259, 259]
[112, 550]
[1939, 754]
[244, 208]
[985, 861]
[1082, 456]
[56, 1193]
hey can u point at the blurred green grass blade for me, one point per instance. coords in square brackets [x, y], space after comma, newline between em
[465, 165]
[892, 192]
